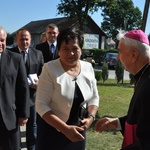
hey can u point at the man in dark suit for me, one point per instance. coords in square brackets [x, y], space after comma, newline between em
[49, 48]
[14, 95]
[33, 61]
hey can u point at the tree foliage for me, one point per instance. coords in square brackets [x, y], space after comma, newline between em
[120, 14]
[105, 72]
[98, 75]
[10, 39]
[79, 8]
[117, 14]
[119, 71]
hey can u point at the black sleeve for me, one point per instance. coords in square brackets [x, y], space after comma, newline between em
[122, 122]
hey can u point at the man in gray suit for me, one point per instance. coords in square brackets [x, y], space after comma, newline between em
[14, 95]
[33, 61]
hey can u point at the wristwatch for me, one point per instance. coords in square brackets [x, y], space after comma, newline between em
[90, 115]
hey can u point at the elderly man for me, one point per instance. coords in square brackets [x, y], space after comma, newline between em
[14, 95]
[134, 53]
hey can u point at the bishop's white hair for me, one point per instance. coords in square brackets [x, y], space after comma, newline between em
[120, 34]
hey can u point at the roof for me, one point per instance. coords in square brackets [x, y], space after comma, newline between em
[39, 26]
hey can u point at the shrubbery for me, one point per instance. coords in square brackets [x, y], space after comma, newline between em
[98, 75]
[105, 72]
[119, 70]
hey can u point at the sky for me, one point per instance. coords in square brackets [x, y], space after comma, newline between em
[16, 14]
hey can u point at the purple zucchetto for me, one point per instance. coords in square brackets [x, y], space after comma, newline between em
[138, 35]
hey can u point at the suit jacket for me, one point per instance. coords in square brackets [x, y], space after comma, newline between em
[14, 91]
[44, 48]
[36, 62]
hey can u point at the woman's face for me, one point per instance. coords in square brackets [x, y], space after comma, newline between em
[70, 53]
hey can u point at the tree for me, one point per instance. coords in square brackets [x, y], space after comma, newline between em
[79, 8]
[120, 14]
[10, 39]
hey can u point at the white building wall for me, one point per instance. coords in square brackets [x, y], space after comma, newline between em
[103, 42]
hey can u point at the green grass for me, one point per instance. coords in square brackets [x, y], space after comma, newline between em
[114, 102]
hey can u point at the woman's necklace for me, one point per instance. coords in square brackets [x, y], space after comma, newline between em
[141, 76]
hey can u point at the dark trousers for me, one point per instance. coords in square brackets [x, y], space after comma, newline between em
[9, 140]
[31, 129]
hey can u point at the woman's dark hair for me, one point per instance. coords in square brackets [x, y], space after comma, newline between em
[70, 34]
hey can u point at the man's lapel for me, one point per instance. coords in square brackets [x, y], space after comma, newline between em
[5, 60]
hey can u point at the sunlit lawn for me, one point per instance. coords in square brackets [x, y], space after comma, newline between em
[114, 101]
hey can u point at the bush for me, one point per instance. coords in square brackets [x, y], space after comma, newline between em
[98, 75]
[119, 70]
[104, 72]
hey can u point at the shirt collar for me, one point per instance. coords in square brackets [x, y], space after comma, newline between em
[137, 76]
[49, 43]
[20, 50]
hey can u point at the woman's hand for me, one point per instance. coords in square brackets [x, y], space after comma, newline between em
[73, 133]
[85, 123]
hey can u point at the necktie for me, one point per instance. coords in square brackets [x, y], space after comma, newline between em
[25, 58]
[24, 54]
[52, 48]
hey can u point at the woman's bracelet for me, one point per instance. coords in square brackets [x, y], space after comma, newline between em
[90, 115]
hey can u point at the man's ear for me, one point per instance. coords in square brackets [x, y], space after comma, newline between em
[135, 55]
